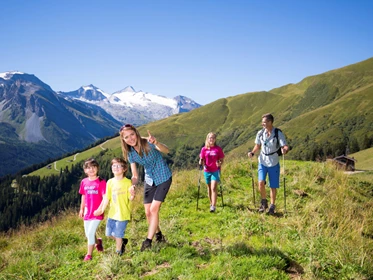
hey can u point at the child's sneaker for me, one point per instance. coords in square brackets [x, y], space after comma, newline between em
[99, 246]
[124, 243]
[159, 237]
[212, 209]
[87, 258]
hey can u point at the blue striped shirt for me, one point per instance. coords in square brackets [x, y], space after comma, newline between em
[156, 169]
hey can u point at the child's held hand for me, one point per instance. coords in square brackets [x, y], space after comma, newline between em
[81, 213]
[132, 192]
[97, 212]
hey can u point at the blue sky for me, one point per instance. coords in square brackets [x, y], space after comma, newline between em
[204, 50]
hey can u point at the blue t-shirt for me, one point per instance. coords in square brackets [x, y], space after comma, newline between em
[156, 169]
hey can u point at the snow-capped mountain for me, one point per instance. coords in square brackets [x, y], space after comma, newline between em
[131, 98]
[37, 123]
[87, 93]
[129, 105]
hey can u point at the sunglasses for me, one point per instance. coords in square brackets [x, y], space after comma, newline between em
[126, 126]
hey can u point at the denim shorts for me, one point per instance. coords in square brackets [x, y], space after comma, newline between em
[115, 228]
[212, 176]
[273, 175]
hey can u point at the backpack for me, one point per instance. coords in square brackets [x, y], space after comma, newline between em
[279, 152]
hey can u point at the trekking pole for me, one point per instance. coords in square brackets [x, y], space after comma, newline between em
[221, 190]
[199, 184]
[284, 179]
[252, 180]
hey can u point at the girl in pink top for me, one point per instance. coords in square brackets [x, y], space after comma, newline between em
[92, 190]
[211, 157]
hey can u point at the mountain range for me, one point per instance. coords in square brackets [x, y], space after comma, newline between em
[37, 123]
[322, 116]
[131, 106]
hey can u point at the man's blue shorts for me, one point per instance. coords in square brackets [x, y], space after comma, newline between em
[273, 175]
[115, 228]
[212, 176]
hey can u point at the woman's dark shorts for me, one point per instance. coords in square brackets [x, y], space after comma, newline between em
[157, 193]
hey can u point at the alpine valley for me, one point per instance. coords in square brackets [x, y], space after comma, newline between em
[37, 123]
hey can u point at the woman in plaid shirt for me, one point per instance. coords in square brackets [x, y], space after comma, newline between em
[158, 176]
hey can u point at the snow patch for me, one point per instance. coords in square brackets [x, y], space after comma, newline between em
[140, 98]
[9, 75]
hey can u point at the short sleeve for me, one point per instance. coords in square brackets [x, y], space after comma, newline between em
[281, 139]
[81, 188]
[202, 153]
[257, 138]
[103, 187]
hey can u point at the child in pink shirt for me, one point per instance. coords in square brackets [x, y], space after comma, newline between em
[92, 190]
[211, 157]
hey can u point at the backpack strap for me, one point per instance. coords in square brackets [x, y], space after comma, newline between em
[276, 135]
[278, 141]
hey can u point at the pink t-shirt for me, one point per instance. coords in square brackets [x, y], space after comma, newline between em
[94, 192]
[210, 156]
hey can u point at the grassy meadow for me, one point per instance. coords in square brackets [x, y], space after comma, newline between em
[62, 163]
[326, 232]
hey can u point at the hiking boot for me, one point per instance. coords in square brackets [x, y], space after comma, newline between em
[263, 206]
[159, 237]
[124, 243]
[271, 210]
[87, 258]
[146, 244]
[212, 209]
[99, 246]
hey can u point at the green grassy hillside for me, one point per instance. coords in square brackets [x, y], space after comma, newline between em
[326, 233]
[321, 116]
[61, 164]
[364, 159]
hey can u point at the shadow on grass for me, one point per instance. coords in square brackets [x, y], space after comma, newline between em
[278, 214]
[206, 248]
[241, 249]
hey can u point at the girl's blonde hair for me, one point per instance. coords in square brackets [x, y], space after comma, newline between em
[207, 144]
[141, 143]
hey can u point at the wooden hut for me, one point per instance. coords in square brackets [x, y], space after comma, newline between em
[345, 163]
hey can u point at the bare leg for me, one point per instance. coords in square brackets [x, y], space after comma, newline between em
[214, 193]
[90, 249]
[262, 189]
[209, 192]
[152, 215]
[273, 195]
[118, 243]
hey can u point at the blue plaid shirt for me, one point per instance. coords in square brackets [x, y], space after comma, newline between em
[156, 169]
